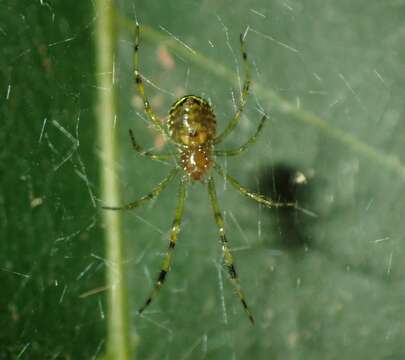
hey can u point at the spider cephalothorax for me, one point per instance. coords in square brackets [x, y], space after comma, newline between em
[192, 129]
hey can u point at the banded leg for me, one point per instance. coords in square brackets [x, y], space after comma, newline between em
[141, 87]
[244, 96]
[228, 258]
[141, 151]
[173, 238]
[155, 192]
[252, 140]
[251, 195]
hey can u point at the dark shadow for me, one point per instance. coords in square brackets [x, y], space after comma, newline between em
[285, 183]
[294, 228]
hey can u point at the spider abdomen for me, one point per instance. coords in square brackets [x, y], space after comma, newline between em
[192, 122]
[192, 125]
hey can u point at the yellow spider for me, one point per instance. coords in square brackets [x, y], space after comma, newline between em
[191, 128]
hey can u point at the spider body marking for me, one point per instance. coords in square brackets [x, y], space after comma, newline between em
[191, 128]
[192, 125]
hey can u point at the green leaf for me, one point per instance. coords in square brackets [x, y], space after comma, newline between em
[322, 282]
[51, 245]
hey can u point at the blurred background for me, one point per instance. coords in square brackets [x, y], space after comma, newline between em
[323, 282]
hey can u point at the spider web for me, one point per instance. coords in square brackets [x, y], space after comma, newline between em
[321, 281]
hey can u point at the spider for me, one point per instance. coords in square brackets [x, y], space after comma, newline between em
[191, 128]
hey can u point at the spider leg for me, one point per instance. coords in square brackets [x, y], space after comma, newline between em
[146, 153]
[155, 192]
[251, 195]
[173, 238]
[251, 140]
[228, 258]
[141, 87]
[244, 96]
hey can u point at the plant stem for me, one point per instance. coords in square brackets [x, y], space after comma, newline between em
[120, 345]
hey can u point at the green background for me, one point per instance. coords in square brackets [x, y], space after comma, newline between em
[322, 284]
